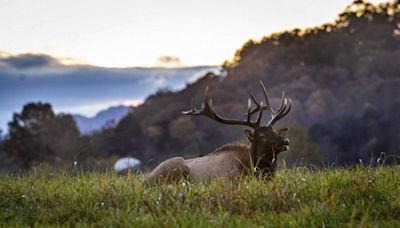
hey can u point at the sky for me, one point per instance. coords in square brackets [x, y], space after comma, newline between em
[126, 33]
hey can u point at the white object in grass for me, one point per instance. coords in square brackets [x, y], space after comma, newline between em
[126, 163]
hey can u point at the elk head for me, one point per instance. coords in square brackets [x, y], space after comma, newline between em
[266, 143]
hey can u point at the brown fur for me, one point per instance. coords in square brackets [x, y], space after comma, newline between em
[227, 162]
[172, 169]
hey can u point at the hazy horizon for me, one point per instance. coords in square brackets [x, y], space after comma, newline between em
[82, 90]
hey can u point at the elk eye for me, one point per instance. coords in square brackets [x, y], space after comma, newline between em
[262, 138]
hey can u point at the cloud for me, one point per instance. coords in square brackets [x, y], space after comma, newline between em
[168, 61]
[80, 89]
[27, 60]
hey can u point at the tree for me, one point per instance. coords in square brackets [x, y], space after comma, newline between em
[37, 134]
[303, 151]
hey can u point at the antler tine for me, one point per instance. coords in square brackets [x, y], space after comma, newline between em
[208, 110]
[254, 99]
[260, 107]
[284, 110]
[248, 114]
[275, 115]
[266, 97]
[258, 121]
[283, 100]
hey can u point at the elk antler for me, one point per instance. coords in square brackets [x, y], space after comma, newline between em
[207, 110]
[286, 105]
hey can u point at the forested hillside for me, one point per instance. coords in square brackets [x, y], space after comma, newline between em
[343, 78]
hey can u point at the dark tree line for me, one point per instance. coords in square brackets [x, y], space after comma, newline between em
[37, 135]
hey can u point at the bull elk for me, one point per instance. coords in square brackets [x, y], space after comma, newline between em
[232, 161]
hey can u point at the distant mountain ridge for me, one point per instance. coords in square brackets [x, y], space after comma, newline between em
[105, 118]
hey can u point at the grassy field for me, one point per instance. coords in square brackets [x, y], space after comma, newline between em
[366, 197]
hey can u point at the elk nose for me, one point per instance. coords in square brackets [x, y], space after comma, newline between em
[285, 141]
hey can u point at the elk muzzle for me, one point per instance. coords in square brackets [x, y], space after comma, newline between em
[283, 145]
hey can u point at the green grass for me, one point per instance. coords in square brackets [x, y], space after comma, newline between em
[366, 197]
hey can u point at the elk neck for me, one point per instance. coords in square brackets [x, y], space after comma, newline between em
[263, 158]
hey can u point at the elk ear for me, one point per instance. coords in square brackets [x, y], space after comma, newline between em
[283, 132]
[249, 135]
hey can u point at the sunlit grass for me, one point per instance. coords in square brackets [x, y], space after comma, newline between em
[295, 197]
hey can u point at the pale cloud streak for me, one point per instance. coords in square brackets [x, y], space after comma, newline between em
[91, 109]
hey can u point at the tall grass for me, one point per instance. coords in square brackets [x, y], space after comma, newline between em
[357, 196]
